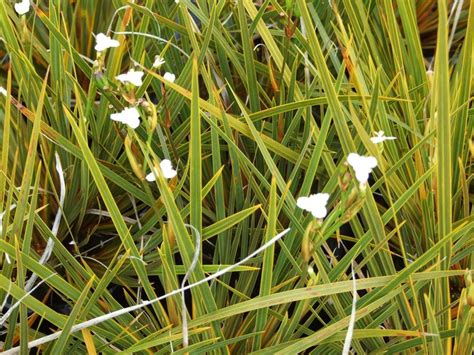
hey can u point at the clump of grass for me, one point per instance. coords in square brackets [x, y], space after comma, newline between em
[322, 152]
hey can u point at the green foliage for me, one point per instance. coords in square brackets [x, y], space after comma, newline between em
[270, 98]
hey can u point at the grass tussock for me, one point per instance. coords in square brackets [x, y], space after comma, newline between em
[269, 176]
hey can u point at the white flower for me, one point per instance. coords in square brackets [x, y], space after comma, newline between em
[22, 7]
[130, 116]
[132, 77]
[150, 177]
[159, 61]
[3, 91]
[103, 42]
[316, 204]
[170, 77]
[166, 169]
[380, 137]
[362, 166]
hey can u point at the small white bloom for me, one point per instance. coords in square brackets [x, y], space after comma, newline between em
[159, 61]
[316, 204]
[150, 177]
[176, 1]
[132, 77]
[166, 169]
[130, 116]
[380, 137]
[3, 91]
[22, 7]
[170, 77]
[103, 42]
[362, 166]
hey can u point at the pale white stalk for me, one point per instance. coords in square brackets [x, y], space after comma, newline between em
[350, 328]
[111, 315]
[142, 243]
[197, 252]
[456, 11]
[12, 207]
[4, 303]
[307, 74]
[107, 214]
[57, 220]
[17, 303]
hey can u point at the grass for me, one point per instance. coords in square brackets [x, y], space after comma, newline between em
[269, 100]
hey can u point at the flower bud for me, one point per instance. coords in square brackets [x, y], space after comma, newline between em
[470, 296]
[136, 167]
[468, 278]
[353, 208]
[306, 245]
[344, 181]
[313, 278]
[354, 194]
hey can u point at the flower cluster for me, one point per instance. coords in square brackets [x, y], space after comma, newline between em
[133, 78]
[130, 115]
[316, 203]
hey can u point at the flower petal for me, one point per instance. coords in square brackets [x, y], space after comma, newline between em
[304, 203]
[319, 212]
[320, 199]
[170, 77]
[362, 175]
[370, 162]
[150, 177]
[353, 159]
[380, 137]
[377, 140]
[167, 169]
[132, 122]
[159, 61]
[116, 116]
